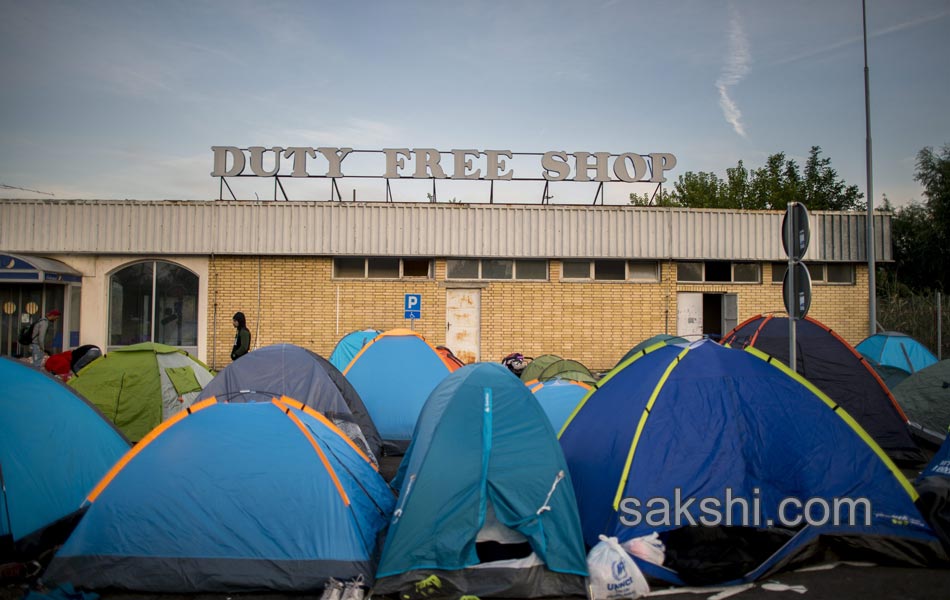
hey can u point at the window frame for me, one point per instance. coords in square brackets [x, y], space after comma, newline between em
[480, 276]
[627, 270]
[732, 273]
[366, 273]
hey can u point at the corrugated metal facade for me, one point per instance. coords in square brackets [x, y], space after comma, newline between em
[444, 230]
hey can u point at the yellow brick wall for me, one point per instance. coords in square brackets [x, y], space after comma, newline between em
[296, 300]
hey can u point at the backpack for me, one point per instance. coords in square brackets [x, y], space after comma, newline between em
[25, 337]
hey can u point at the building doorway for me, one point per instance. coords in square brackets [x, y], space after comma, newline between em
[463, 323]
[700, 314]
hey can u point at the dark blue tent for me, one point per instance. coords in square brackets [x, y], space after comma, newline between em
[486, 503]
[710, 423]
[231, 497]
[837, 369]
[54, 447]
[933, 485]
[295, 372]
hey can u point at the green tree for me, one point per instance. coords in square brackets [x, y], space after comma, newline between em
[822, 190]
[770, 187]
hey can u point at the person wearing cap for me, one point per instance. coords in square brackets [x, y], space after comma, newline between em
[242, 339]
[43, 335]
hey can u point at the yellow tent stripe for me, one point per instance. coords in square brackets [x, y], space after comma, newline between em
[841, 412]
[640, 426]
[604, 380]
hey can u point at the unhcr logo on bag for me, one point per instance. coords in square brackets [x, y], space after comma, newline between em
[619, 570]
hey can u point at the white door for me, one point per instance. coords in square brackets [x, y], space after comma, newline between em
[730, 312]
[689, 314]
[463, 323]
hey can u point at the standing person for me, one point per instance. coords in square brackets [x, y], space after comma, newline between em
[242, 339]
[42, 341]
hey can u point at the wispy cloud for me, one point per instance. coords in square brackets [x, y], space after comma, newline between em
[734, 71]
[857, 39]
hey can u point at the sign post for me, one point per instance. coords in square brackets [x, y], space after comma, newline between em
[412, 308]
[796, 285]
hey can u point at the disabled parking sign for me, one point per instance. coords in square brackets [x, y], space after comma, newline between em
[413, 306]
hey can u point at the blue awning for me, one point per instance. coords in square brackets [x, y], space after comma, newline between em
[15, 268]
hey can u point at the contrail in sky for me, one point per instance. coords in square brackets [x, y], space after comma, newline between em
[735, 69]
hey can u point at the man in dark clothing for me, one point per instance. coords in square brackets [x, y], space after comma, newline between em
[242, 339]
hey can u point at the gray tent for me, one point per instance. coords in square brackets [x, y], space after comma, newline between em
[925, 398]
[298, 373]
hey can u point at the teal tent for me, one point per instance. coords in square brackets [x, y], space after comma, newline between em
[486, 503]
[896, 349]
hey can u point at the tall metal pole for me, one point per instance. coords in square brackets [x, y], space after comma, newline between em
[791, 290]
[872, 276]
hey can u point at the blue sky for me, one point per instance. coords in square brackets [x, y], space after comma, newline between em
[124, 99]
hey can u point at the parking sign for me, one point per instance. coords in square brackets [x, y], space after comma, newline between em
[413, 306]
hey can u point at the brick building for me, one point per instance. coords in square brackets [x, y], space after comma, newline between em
[585, 283]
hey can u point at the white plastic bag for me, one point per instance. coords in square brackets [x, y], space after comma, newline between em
[613, 574]
[648, 547]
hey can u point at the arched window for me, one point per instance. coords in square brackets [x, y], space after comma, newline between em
[154, 301]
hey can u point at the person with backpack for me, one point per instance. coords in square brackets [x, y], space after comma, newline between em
[41, 337]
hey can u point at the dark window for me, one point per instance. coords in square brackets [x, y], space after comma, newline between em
[575, 269]
[383, 268]
[689, 271]
[461, 269]
[610, 270]
[349, 267]
[718, 271]
[416, 267]
[531, 269]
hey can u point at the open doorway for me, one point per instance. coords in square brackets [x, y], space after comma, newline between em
[703, 314]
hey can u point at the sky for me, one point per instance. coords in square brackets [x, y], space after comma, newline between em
[125, 99]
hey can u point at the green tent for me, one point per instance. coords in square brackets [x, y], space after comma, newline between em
[925, 398]
[567, 369]
[537, 366]
[662, 337]
[138, 387]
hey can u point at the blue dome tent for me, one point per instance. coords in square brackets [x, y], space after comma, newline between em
[54, 448]
[558, 397]
[712, 423]
[231, 497]
[484, 478]
[394, 374]
[896, 349]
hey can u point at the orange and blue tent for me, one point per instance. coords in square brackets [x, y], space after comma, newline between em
[558, 397]
[259, 496]
[350, 345]
[54, 447]
[394, 375]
